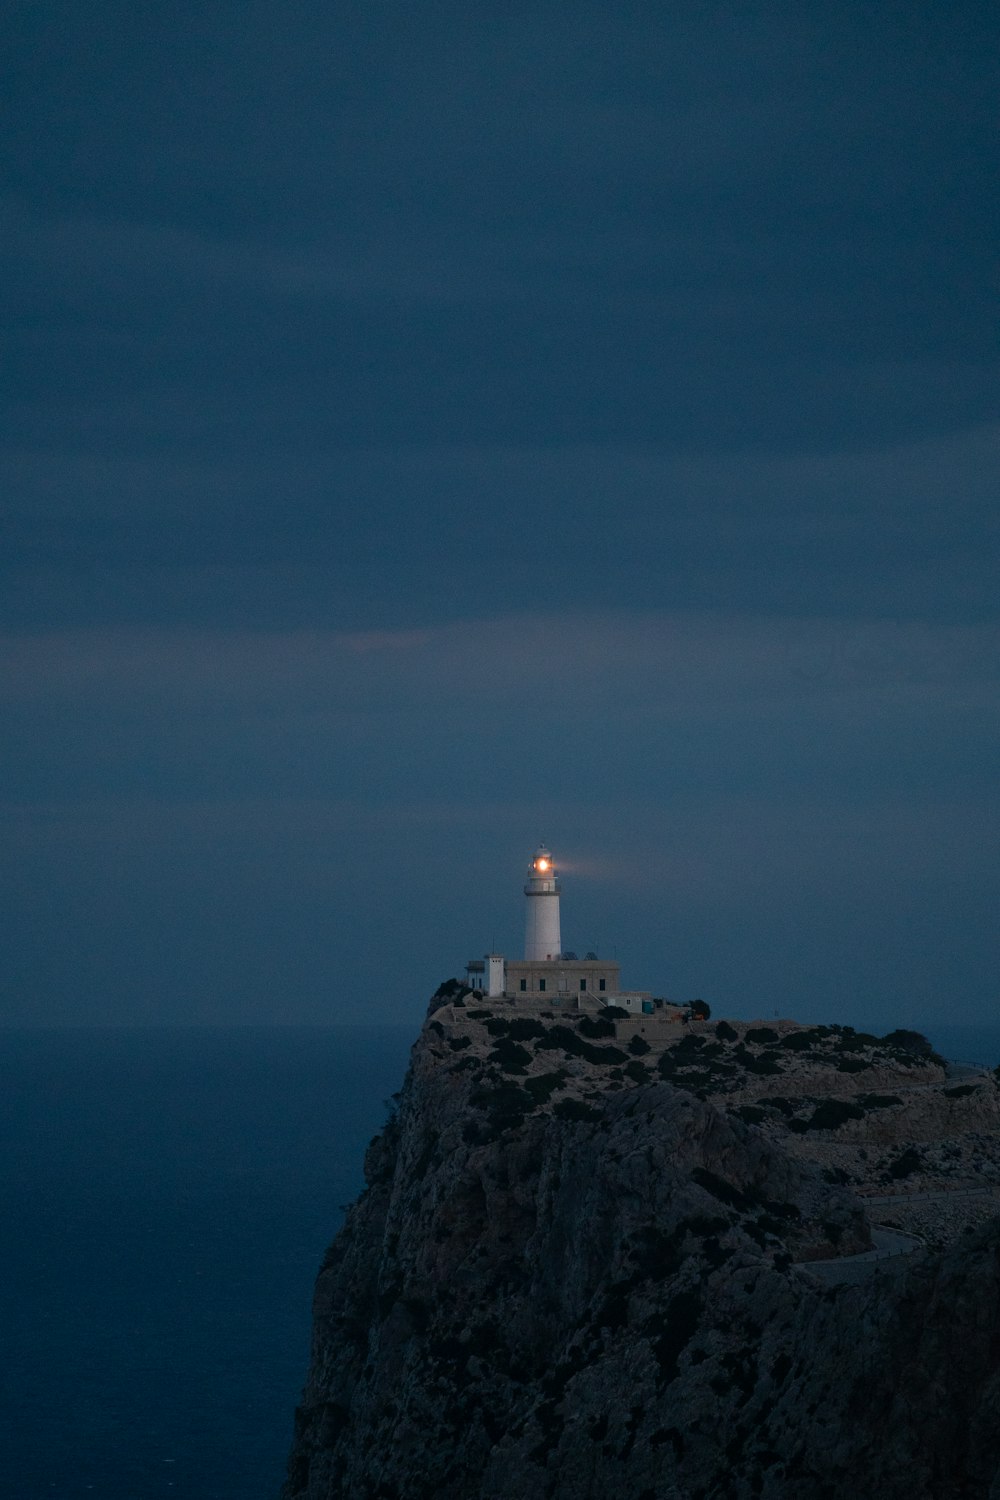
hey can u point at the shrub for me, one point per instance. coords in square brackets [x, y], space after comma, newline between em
[595, 1028]
[700, 1010]
[800, 1041]
[543, 1085]
[523, 1028]
[782, 1210]
[638, 1047]
[725, 1032]
[750, 1114]
[832, 1113]
[698, 1081]
[614, 1013]
[761, 1036]
[764, 1062]
[913, 1042]
[450, 991]
[565, 1039]
[512, 1057]
[767, 1062]
[506, 1105]
[786, 1107]
[688, 1046]
[449, 987]
[575, 1109]
[960, 1091]
[906, 1164]
[702, 1224]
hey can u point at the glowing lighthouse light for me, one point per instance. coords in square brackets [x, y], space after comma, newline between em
[542, 938]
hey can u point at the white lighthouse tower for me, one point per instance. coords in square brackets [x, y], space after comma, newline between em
[541, 933]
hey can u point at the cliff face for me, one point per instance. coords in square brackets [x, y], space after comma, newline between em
[563, 1283]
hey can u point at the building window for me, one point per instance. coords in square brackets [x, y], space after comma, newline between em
[524, 984]
[541, 984]
[602, 984]
[583, 986]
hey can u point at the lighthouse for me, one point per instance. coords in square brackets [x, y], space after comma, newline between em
[541, 930]
[546, 976]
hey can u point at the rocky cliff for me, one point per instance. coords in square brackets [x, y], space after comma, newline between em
[580, 1268]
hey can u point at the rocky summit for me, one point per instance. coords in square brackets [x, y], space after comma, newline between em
[610, 1255]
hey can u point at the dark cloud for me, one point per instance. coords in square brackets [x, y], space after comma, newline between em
[388, 537]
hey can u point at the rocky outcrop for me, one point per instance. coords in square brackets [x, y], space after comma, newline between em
[571, 1277]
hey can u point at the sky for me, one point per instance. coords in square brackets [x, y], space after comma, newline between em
[433, 429]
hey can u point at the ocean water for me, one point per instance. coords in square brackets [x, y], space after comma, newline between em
[969, 1044]
[166, 1200]
[167, 1196]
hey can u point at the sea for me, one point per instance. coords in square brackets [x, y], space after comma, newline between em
[167, 1196]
